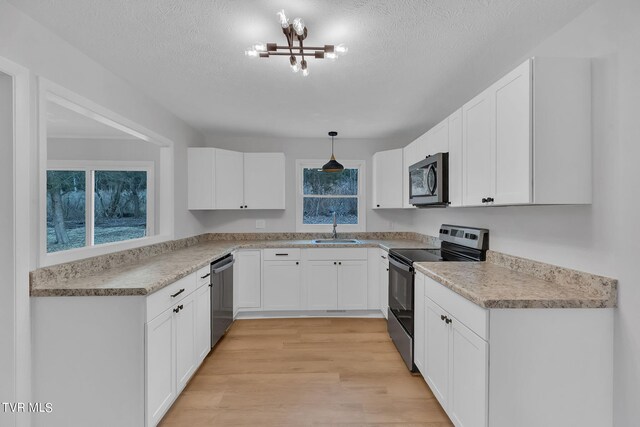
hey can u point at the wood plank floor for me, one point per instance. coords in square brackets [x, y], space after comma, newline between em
[297, 372]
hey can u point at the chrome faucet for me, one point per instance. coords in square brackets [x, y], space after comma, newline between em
[334, 235]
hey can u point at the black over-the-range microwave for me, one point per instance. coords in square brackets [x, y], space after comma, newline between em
[429, 181]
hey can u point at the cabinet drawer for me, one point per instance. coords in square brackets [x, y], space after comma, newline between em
[203, 276]
[282, 254]
[469, 314]
[161, 300]
[333, 254]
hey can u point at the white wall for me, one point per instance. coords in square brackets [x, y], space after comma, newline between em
[303, 148]
[7, 256]
[603, 238]
[26, 42]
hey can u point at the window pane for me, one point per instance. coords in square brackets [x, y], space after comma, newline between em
[66, 228]
[319, 210]
[120, 211]
[343, 183]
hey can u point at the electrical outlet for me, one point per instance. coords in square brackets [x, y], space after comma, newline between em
[261, 223]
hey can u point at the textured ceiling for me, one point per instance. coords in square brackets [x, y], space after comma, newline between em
[410, 62]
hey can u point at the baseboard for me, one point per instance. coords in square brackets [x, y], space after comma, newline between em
[373, 314]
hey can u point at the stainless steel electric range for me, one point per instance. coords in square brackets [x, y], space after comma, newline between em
[459, 244]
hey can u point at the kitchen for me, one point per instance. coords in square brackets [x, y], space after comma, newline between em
[558, 319]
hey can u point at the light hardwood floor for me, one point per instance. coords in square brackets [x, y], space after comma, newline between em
[315, 371]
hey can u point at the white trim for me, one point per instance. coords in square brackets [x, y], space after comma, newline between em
[348, 164]
[21, 199]
[90, 167]
[51, 92]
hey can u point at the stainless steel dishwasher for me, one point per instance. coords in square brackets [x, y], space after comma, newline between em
[221, 297]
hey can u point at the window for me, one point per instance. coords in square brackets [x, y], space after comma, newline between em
[321, 194]
[97, 204]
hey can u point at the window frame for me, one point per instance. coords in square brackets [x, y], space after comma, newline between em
[360, 165]
[163, 181]
[89, 168]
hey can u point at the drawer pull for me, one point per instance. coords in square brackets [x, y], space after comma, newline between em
[282, 254]
[205, 276]
[177, 293]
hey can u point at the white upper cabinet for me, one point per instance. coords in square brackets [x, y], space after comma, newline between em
[527, 139]
[409, 157]
[264, 180]
[477, 149]
[229, 179]
[455, 158]
[437, 140]
[387, 179]
[225, 179]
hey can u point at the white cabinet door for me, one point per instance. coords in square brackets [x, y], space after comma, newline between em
[438, 138]
[455, 159]
[321, 278]
[264, 180]
[352, 285]
[160, 358]
[387, 179]
[419, 323]
[409, 157]
[436, 354]
[468, 406]
[185, 320]
[249, 278]
[282, 284]
[384, 283]
[478, 156]
[229, 182]
[513, 137]
[201, 178]
[203, 322]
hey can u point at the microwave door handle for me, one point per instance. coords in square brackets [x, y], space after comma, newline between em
[401, 266]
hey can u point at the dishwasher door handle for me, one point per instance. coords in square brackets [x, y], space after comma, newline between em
[216, 270]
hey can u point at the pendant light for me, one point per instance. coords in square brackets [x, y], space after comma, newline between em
[332, 165]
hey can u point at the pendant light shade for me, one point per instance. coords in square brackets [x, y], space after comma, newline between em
[332, 165]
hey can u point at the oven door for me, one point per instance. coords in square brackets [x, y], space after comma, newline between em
[401, 293]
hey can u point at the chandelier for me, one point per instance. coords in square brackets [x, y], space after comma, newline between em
[295, 32]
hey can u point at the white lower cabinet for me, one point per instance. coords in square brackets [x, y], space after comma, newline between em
[419, 323]
[282, 285]
[248, 278]
[177, 340]
[383, 277]
[203, 321]
[437, 360]
[352, 285]
[161, 355]
[321, 278]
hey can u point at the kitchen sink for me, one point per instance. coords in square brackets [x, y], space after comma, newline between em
[336, 241]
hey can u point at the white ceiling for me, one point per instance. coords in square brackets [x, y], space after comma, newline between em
[410, 62]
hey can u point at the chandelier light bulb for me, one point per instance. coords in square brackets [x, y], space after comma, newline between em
[305, 72]
[260, 47]
[295, 67]
[298, 26]
[341, 49]
[284, 22]
[331, 55]
[251, 52]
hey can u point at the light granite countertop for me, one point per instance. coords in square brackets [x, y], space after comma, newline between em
[148, 275]
[505, 281]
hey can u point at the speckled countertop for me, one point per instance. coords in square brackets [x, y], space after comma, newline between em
[147, 275]
[505, 281]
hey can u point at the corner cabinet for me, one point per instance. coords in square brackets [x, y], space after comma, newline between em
[225, 179]
[523, 134]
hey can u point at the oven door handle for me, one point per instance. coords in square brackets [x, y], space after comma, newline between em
[399, 265]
